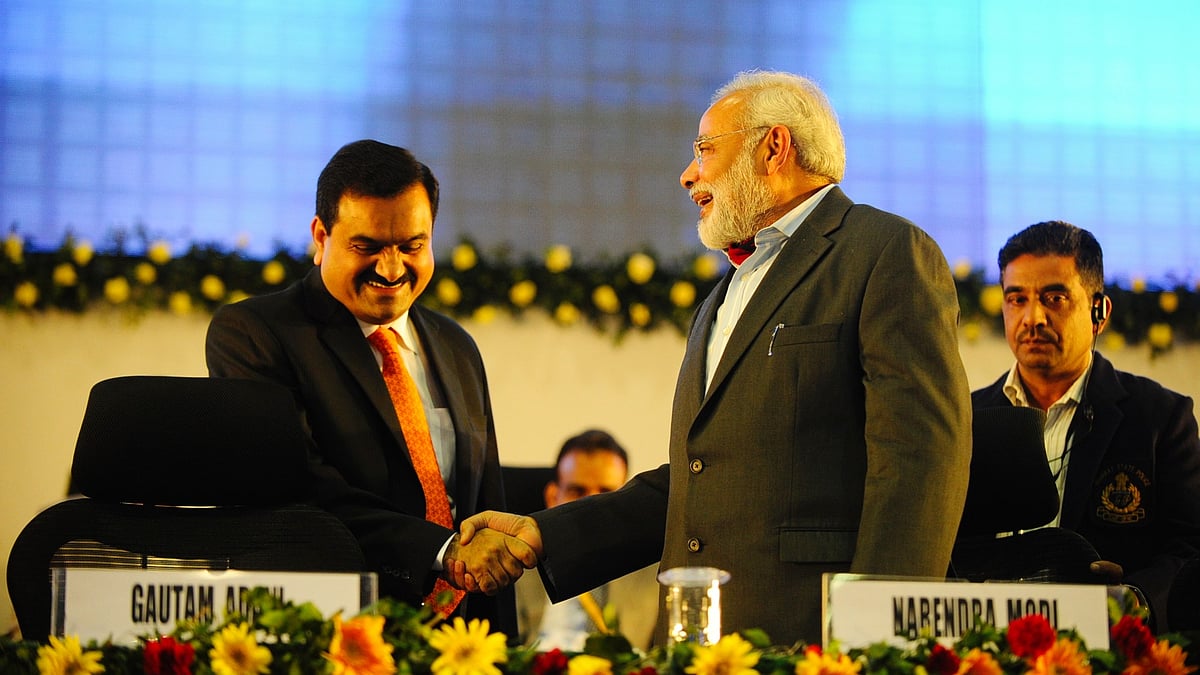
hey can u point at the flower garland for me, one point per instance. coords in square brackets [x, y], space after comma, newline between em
[639, 291]
[282, 637]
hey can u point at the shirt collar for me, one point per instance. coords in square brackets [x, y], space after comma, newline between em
[1014, 389]
[402, 326]
[791, 220]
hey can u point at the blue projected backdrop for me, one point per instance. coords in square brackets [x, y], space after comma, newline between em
[565, 122]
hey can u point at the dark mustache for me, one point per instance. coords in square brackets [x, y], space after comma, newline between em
[1039, 333]
[372, 276]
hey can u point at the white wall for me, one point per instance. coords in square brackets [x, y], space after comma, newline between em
[547, 383]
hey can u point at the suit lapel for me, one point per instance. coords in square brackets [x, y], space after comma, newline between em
[1087, 452]
[689, 390]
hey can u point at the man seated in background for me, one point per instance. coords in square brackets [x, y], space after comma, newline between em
[589, 463]
[1124, 451]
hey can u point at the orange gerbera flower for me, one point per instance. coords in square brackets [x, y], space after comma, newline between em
[978, 662]
[358, 647]
[1163, 658]
[1063, 658]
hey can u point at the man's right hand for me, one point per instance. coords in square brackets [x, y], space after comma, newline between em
[490, 561]
[523, 528]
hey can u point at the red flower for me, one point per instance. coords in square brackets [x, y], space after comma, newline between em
[1132, 637]
[942, 661]
[1030, 636]
[165, 656]
[553, 662]
[646, 670]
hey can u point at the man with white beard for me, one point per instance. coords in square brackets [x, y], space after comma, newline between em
[821, 420]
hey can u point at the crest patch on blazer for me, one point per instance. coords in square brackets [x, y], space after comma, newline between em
[1121, 490]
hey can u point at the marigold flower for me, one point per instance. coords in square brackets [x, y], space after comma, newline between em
[979, 662]
[1138, 284]
[731, 655]
[145, 273]
[522, 293]
[448, 293]
[1062, 658]
[817, 663]
[1159, 335]
[463, 257]
[639, 315]
[180, 303]
[66, 657]
[639, 267]
[971, 330]
[706, 266]
[962, 269]
[484, 314]
[358, 647]
[65, 275]
[1030, 636]
[558, 258]
[1132, 637]
[683, 294]
[82, 253]
[1163, 658]
[586, 664]
[166, 656]
[991, 299]
[26, 294]
[467, 649]
[605, 299]
[159, 253]
[116, 290]
[212, 287]
[14, 248]
[1168, 301]
[273, 273]
[235, 652]
[1113, 341]
[566, 314]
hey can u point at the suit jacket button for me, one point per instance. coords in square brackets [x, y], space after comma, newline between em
[694, 545]
[697, 465]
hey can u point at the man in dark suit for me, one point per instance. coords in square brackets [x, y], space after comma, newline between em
[821, 420]
[1124, 451]
[373, 237]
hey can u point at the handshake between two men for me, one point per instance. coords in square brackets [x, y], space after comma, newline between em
[491, 551]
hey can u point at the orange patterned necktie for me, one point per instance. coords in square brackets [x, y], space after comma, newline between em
[415, 427]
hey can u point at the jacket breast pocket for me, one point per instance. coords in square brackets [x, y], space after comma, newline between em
[817, 546]
[786, 334]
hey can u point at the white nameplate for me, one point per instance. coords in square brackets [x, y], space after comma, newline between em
[861, 610]
[123, 604]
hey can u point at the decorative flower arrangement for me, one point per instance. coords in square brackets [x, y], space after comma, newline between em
[614, 294]
[281, 637]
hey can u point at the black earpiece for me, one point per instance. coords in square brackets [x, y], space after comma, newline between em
[1099, 308]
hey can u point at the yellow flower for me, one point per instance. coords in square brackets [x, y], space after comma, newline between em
[558, 258]
[962, 269]
[65, 275]
[180, 303]
[683, 294]
[978, 662]
[159, 253]
[605, 299]
[467, 649]
[358, 647]
[448, 292]
[66, 657]
[212, 287]
[145, 273]
[1113, 341]
[639, 267]
[731, 655]
[26, 294]
[14, 248]
[1064, 658]
[1138, 285]
[586, 664]
[273, 273]
[116, 290]
[991, 299]
[566, 314]
[971, 331]
[1168, 301]
[235, 652]
[1159, 335]
[816, 663]
[1163, 659]
[82, 253]
[706, 266]
[522, 293]
[463, 257]
[639, 315]
[484, 314]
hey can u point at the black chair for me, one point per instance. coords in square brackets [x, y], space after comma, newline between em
[1012, 492]
[184, 473]
[524, 487]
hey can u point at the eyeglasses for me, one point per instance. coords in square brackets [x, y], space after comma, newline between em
[698, 152]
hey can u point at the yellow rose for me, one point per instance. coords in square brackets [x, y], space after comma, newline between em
[82, 253]
[1159, 335]
[566, 314]
[65, 275]
[639, 315]
[26, 294]
[484, 314]
[116, 290]
[212, 287]
[639, 267]
[971, 331]
[145, 273]
[159, 253]
[991, 299]
[273, 273]
[522, 293]
[605, 299]
[558, 258]
[706, 266]
[1113, 341]
[14, 248]
[463, 257]
[1168, 301]
[448, 292]
[1138, 285]
[683, 294]
[180, 303]
[962, 269]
